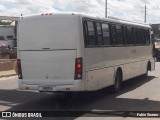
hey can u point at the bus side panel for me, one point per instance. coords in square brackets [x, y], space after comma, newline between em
[144, 66]
[47, 65]
[98, 79]
[81, 49]
[134, 69]
[98, 76]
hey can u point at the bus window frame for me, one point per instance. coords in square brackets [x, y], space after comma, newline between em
[123, 26]
[111, 42]
[128, 37]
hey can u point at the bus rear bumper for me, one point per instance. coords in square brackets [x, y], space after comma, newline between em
[77, 86]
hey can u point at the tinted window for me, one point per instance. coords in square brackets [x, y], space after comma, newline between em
[139, 36]
[106, 34]
[86, 33]
[99, 34]
[119, 34]
[136, 35]
[146, 36]
[90, 34]
[130, 36]
[113, 32]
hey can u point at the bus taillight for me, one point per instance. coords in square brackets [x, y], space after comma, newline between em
[19, 69]
[78, 68]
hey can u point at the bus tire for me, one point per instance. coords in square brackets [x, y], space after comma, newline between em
[118, 82]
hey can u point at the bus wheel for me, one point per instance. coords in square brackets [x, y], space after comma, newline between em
[118, 82]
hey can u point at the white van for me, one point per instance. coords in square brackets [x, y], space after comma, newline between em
[69, 52]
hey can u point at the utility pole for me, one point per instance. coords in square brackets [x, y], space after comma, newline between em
[145, 14]
[106, 7]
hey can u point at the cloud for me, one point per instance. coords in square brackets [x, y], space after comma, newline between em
[2, 8]
[125, 9]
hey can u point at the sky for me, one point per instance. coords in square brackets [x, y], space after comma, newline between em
[133, 10]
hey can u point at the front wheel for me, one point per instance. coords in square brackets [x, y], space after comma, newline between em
[118, 82]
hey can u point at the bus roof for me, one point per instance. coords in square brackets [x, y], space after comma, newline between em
[108, 19]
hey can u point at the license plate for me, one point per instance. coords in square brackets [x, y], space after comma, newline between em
[46, 88]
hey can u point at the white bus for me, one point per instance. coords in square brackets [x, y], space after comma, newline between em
[73, 52]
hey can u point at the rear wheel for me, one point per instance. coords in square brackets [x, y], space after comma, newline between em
[118, 82]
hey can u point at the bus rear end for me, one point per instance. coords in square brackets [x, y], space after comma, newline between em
[48, 60]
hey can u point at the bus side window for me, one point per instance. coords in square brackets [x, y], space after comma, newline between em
[99, 34]
[141, 36]
[125, 34]
[119, 34]
[92, 41]
[146, 36]
[86, 33]
[136, 36]
[130, 36]
[106, 34]
[113, 33]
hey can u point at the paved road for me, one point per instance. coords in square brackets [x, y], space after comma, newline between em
[137, 95]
